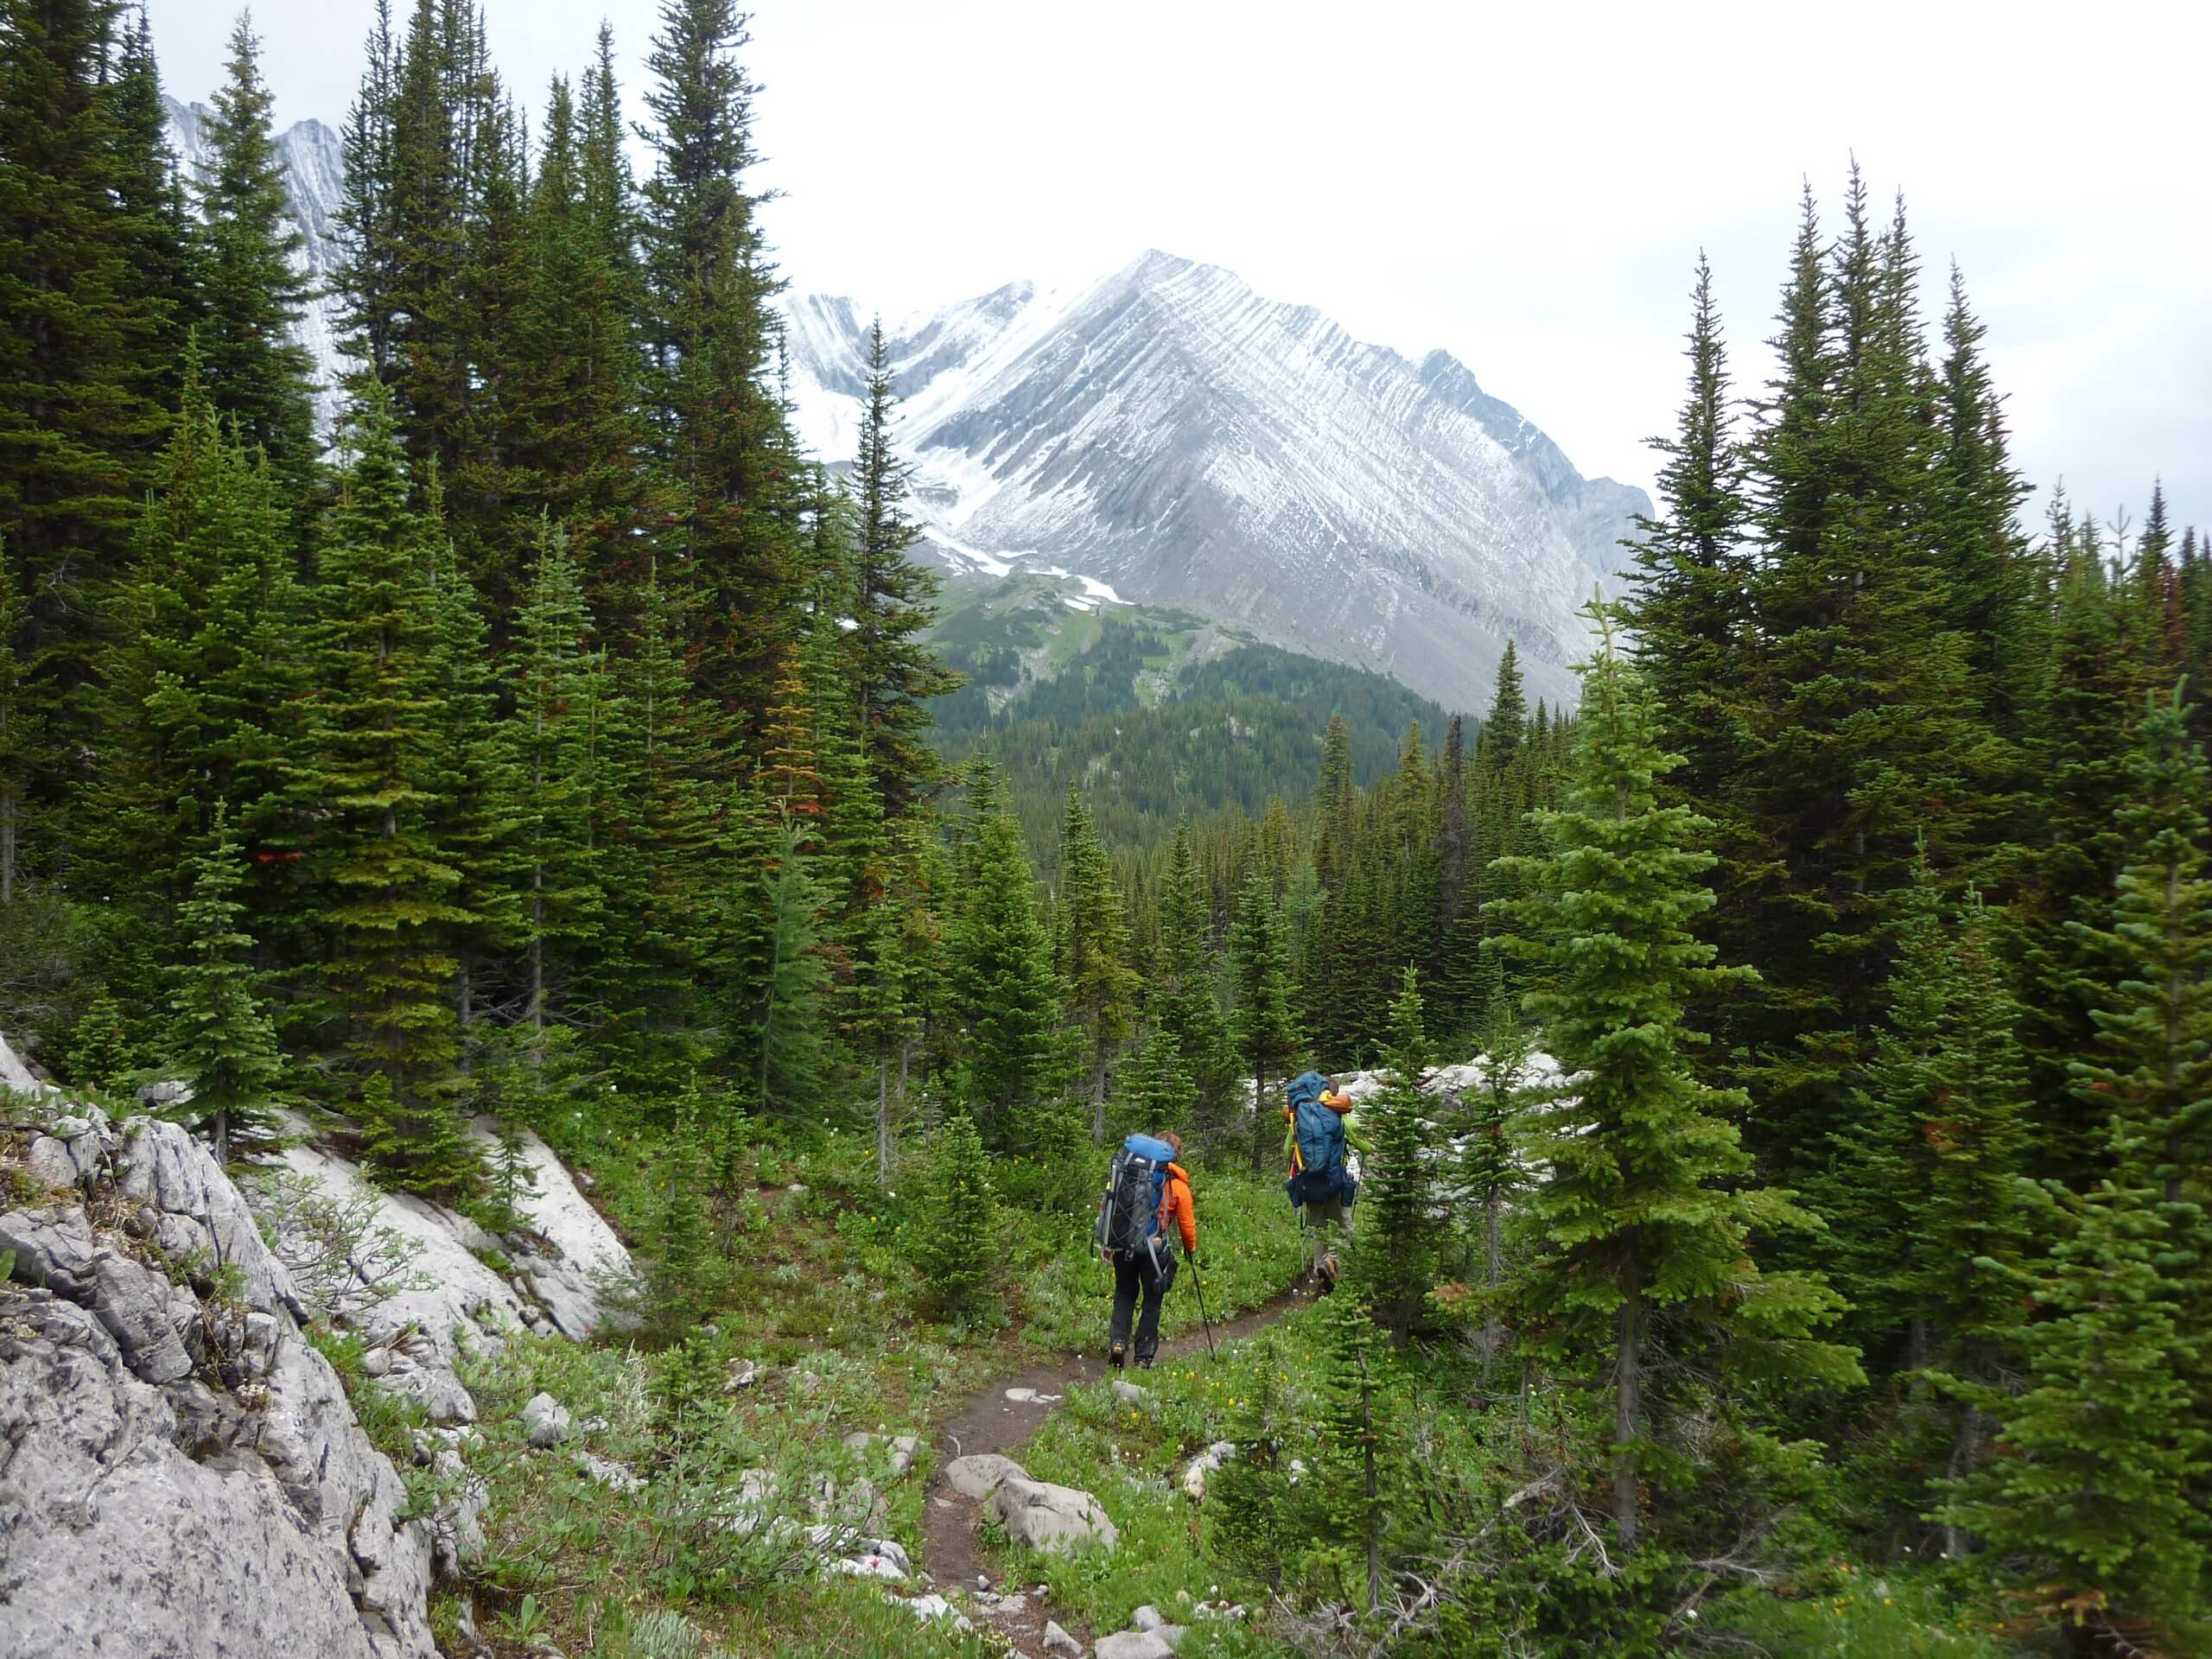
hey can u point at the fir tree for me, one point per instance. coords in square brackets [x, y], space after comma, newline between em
[1641, 1232]
[895, 672]
[2153, 1058]
[955, 1233]
[1397, 1256]
[1180, 1000]
[258, 375]
[710, 338]
[1266, 1034]
[2093, 1495]
[88, 341]
[1001, 986]
[1507, 727]
[1091, 954]
[224, 1043]
[1157, 1091]
[384, 886]
[558, 739]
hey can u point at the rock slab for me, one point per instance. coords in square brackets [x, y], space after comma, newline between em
[1038, 1515]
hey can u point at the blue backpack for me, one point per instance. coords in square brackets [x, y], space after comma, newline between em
[1320, 1134]
[1136, 1195]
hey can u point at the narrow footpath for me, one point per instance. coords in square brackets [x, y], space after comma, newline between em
[1000, 1418]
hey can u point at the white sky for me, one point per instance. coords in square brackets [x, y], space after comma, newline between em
[1525, 188]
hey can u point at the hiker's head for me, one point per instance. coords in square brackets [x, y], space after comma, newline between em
[1173, 1140]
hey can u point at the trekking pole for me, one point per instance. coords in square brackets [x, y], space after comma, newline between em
[1199, 1287]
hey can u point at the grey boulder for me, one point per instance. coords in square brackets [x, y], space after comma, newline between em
[547, 1420]
[1038, 1515]
[981, 1473]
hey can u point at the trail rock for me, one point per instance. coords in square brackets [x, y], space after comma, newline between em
[1040, 1516]
[1130, 1394]
[1032, 1398]
[547, 1420]
[1146, 1618]
[1134, 1644]
[981, 1473]
[1058, 1641]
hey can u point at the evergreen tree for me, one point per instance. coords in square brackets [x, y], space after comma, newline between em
[1180, 1000]
[1157, 1091]
[895, 672]
[384, 886]
[710, 337]
[1641, 1233]
[955, 1229]
[560, 689]
[1507, 727]
[1001, 986]
[1398, 1250]
[2152, 1065]
[1266, 1034]
[87, 340]
[258, 374]
[225, 1045]
[2094, 1495]
[1090, 948]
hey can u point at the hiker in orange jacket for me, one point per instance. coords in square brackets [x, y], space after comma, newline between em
[1150, 1270]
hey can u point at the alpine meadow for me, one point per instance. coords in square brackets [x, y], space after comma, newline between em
[686, 973]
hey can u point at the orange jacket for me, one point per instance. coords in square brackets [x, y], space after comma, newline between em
[1176, 1208]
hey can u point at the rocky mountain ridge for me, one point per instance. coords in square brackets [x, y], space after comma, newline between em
[1168, 436]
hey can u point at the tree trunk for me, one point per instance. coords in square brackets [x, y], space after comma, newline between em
[1628, 1408]
[1493, 1269]
[883, 1120]
[1259, 1119]
[7, 847]
[1099, 1097]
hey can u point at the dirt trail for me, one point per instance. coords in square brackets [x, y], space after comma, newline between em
[987, 1421]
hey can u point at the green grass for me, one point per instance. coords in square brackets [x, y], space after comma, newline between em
[1868, 1613]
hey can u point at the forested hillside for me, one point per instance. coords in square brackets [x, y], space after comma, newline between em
[556, 745]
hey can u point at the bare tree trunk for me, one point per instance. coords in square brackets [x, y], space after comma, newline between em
[883, 1120]
[1628, 1400]
[1493, 1269]
[1099, 1097]
[8, 848]
[1259, 1118]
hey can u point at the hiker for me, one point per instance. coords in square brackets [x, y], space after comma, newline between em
[1146, 1190]
[1321, 1123]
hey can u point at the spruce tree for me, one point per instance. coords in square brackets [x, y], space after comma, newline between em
[955, 1229]
[87, 347]
[384, 887]
[1266, 1033]
[224, 1043]
[1398, 1248]
[1090, 949]
[2094, 1497]
[893, 604]
[560, 691]
[1156, 1090]
[258, 373]
[1003, 992]
[2152, 1067]
[782, 977]
[1641, 1233]
[1180, 998]
[1507, 727]
[718, 426]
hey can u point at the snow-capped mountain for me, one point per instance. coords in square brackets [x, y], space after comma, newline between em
[1171, 434]
[1172, 438]
[314, 177]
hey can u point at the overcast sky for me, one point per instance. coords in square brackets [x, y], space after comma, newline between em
[1526, 188]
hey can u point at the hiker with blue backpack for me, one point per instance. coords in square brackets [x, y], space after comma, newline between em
[1322, 1127]
[1148, 1193]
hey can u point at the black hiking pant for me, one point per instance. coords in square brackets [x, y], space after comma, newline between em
[1133, 1274]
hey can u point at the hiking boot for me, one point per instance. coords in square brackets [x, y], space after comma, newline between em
[1115, 1356]
[1144, 1365]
